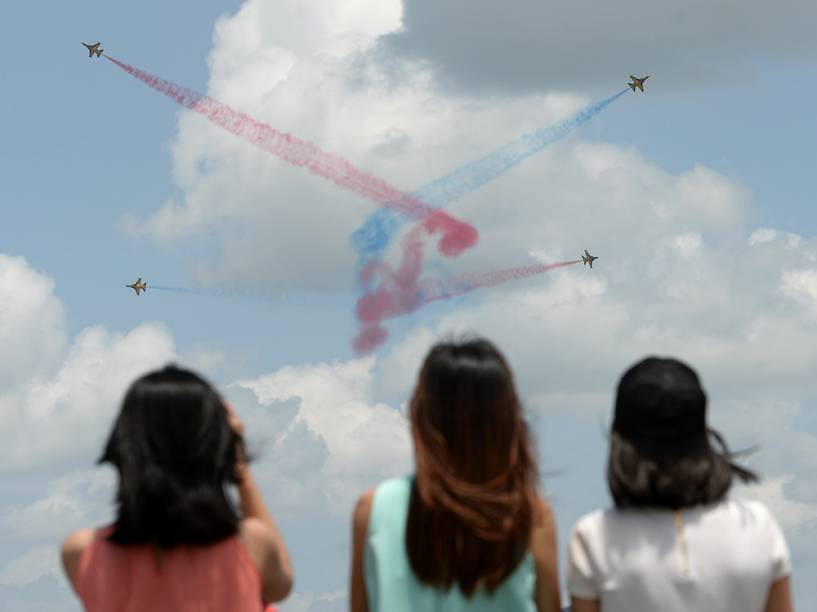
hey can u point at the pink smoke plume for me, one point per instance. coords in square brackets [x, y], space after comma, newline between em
[401, 292]
[456, 235]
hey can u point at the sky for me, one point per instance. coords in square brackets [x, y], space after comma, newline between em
[696, 194]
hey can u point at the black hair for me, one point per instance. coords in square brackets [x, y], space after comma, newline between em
[175, 453]
[662, 454]
[638, 480]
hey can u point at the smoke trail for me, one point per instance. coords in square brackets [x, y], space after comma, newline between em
[456, 236]
[443, 288]
[260, 294]
[372, 238]
[399, 289]
[402, 294]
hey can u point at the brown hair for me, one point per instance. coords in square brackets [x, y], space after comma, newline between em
[475, 491]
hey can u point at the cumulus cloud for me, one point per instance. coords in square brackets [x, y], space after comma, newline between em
[36, 563]
[32, 322]
[482, 46]
[277, 225]
[59, 397]
[59, 416]
[337, 443]
[72, 501]
[801, 286]
[791, 514]
[768, 234]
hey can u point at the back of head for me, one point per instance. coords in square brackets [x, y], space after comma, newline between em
[476, 478]
[661, 450]
[175, 453]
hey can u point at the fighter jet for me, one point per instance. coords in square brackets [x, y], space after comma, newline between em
[94, 49]
[637, 82]
[140, 286]
[587, 258]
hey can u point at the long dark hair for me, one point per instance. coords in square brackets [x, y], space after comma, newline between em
[175, 453]
[662, 453]
[475, 491]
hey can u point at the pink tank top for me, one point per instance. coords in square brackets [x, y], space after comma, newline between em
[213, 578]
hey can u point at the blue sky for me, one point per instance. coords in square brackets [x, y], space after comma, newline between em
[87, 147]
[102, 141]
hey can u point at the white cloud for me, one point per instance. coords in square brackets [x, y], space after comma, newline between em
[801, 286]
[767, 234]
[790, 513]
[688, 245]
[73, 501]
[59, 399]
[65, 414]
[36, 563]
[348, 442]
[32, 323]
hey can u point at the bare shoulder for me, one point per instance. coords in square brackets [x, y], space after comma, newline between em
[77, 542]
[363, 510]
[544, 512]
[257, 538]
[72, 548]
[543, 534]
[254, 529]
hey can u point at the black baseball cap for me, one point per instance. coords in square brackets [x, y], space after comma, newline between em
[661, 409]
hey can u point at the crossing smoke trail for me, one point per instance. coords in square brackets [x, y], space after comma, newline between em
[396, 300]
[455, 235]
[398, 289]
[372, 238]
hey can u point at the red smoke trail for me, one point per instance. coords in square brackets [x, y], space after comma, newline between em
[456, 236]
[441, 288]
[401, 292]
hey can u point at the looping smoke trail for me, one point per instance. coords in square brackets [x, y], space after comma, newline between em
[401, 293]
[456, 236]
[372, 238]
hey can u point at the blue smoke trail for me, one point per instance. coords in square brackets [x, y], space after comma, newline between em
[371, 239]
[261, 294]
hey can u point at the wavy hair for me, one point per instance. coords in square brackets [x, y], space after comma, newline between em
[475, 490]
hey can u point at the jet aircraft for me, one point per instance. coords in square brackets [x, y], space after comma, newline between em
[587, 258]
[94, 49]
[638, 82]
[140, 286]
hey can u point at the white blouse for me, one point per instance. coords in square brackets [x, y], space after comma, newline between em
[721, 557]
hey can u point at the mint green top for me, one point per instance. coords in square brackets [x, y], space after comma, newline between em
[390, 581]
